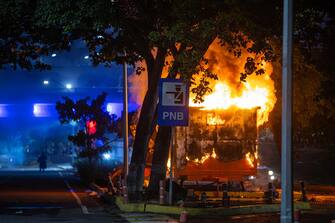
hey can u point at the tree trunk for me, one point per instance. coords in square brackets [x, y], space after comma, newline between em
[159, 160]
[144, 128]
[162, 143]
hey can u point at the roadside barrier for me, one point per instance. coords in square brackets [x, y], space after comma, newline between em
[269, 194]
[203, 199]
[124, 193]
[161, 192]
[297, 216]
[225, 196]
[183, 217]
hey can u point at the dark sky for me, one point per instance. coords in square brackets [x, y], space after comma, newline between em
[17, 87]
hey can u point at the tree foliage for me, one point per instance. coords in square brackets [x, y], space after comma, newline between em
[313, 76]
[79, 113]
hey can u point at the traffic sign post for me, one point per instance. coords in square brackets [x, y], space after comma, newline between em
[173, 103]
[172, 111]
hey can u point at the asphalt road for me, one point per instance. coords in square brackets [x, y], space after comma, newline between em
[51, 196]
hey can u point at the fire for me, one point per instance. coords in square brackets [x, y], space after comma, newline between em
[204, 157]
[252, 159]
[213, 119]
[168, 164]
[227, 92]
[213, 154]
[222, 98]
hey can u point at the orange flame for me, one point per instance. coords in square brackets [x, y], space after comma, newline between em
[203, 158]
[252, 159]
[257, 92]
[168, 164]
[212, 119]
[213, 154]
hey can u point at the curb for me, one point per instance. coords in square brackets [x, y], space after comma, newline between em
[220, 211]
[98, 189]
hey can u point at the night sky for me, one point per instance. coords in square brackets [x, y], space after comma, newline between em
[67, 67]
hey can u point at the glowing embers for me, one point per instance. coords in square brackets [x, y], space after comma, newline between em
[3, 110]
[43, 110]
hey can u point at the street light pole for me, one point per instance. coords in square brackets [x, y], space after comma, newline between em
[171, 165]
[125, 121]
[286, 214]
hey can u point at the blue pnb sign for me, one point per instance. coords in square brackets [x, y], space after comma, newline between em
[173, 102]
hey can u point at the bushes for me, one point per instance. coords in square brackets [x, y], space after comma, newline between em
[95, 170]
[86, 170]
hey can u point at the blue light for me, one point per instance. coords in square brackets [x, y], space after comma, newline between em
[3, 110]
[86, 57]
[53, 55]
[42, 110]
[73, 123]
[68, 86]
[115, 108]
[106, 156]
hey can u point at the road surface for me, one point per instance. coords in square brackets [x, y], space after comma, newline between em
[56, 196]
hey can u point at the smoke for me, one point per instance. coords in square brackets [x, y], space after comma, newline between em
[225, 65]
[138, 83]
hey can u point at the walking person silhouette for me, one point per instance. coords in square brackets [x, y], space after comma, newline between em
[42, 160]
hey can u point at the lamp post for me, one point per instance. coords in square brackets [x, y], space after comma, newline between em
[125, 121]
[286, 213]
[171, 155]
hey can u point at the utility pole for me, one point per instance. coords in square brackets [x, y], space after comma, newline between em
[286, 214]
[125, 120]
[171, 165]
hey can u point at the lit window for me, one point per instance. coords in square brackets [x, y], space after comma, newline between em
[42, 110]
[3, 110]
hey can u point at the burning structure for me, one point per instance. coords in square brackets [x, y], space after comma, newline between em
[218, 144]
[221, 141]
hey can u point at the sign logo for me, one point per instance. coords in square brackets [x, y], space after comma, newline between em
[173, 103]
[173, 94]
